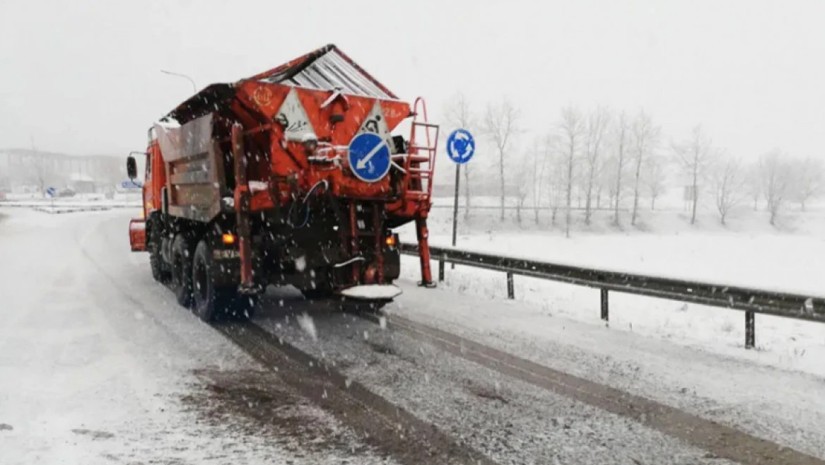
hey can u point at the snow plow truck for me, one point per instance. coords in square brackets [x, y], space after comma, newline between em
[294, 176]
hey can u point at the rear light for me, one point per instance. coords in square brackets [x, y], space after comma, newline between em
[391, 240]
[228, 238]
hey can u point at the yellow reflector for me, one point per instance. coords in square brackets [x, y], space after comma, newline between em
[228, 238]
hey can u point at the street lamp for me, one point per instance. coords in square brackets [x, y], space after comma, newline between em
[172, 73]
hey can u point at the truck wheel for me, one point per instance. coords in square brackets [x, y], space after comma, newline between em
[207, 299]
[182, 270]
[160, 269]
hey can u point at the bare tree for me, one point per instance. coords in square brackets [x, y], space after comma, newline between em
[556, 176]
[728, 181]
[501, 125]
[572, 128]
[754, 184]
[645, 138]
[654, 178]
[774, 176]
[541, 153]
[807, 180]
[522, 184]
[621, 141]
[457, 114]
[596, 127]
[694, 155]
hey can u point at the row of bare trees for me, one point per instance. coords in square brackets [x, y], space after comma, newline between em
[601, 159]
[605, 153]
[775, 178]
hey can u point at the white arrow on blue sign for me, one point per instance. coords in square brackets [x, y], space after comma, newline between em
[369, 157]
[461, 146]
[51, 191]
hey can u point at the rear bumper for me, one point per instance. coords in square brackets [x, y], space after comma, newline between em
[137, 235]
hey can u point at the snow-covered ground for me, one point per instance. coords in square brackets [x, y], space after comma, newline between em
[784, 406]
[749, 252]
[78, 203]
[98, 363]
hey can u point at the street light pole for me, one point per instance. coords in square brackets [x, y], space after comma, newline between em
[172, 73]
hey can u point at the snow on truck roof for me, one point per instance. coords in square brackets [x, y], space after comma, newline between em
[326, 68]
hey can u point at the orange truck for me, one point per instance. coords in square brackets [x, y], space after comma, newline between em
[294, 176]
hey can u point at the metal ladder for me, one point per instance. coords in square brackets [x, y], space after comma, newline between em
[418, 184]
[420, 161]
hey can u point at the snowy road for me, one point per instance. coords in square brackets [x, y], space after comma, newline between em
[99, 365]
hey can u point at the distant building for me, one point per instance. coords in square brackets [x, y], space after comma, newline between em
[32, 170]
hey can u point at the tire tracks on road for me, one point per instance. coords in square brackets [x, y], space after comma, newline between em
[718, 439]
[384, 425]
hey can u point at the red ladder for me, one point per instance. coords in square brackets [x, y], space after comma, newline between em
[418, 184]
[420, 160]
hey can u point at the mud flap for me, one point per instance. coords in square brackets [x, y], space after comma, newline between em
[137, 235]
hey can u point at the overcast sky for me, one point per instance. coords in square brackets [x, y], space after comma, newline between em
[84, 77]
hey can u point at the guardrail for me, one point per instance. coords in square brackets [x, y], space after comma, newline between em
[752, 301]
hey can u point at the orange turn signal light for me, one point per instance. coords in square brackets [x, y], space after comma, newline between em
[390, 240]
[228, 238]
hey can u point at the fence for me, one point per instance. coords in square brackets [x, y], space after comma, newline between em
[752, 301]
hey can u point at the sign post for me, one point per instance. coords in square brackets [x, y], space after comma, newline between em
[460, 148]
[51, 192]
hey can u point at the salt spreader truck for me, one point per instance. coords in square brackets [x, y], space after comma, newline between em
[292, 176]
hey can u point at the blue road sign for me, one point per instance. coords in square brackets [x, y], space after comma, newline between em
[369, 157]
[461, 146]
[131, 184]
[51, 191]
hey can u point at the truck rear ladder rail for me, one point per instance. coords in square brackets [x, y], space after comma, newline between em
[420, 160]
[418, 182]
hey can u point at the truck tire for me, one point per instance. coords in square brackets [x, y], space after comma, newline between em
[205, 294]
[182, 269]
[160, 269]
[211, 302]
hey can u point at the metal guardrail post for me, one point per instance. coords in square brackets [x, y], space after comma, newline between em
[441, 269]
[751, 300]
[605, 308]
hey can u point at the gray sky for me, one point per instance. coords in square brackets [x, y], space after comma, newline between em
[83, 76]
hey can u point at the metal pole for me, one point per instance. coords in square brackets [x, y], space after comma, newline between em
[172, 73]
[455, 207]
[511, 291]
[750, 330]
[605, 308]
[441, 269]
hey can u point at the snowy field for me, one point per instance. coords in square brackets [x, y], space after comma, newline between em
[749, 252]
[78, 203]
[98, 364]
